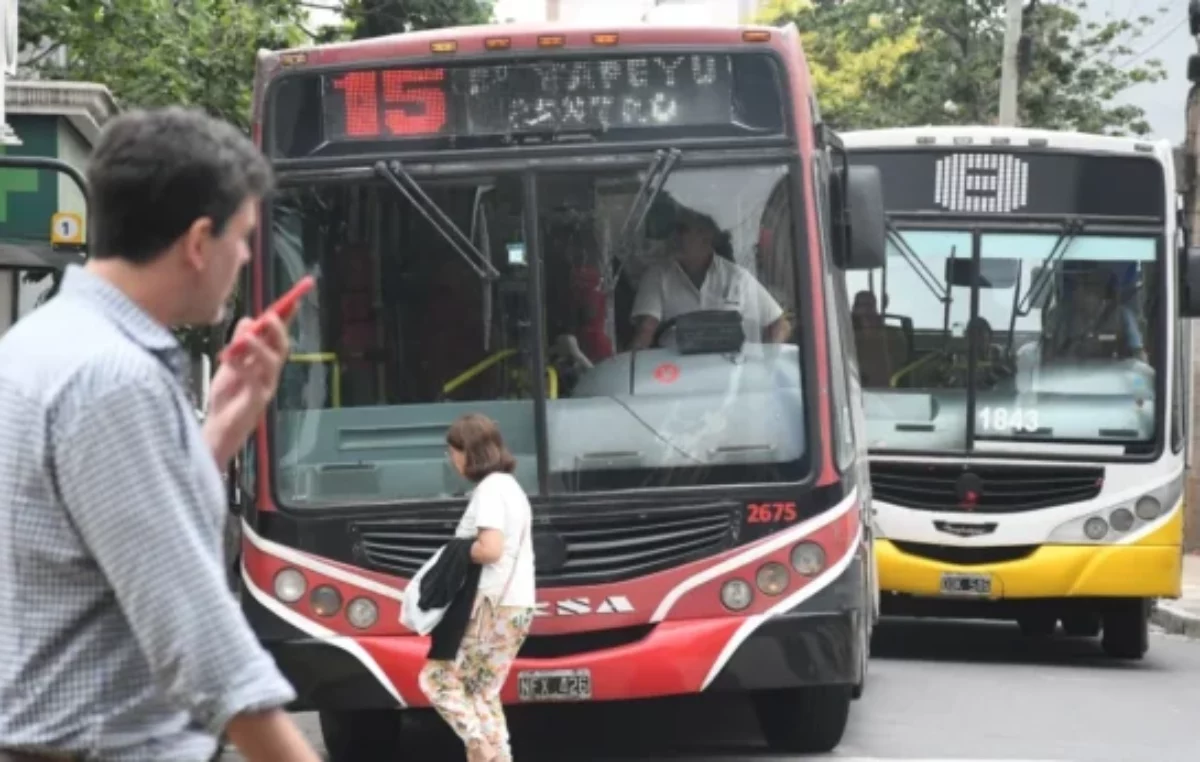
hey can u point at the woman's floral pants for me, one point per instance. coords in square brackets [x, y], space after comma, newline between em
[466, 691]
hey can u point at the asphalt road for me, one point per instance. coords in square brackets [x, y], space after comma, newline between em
[937, 691]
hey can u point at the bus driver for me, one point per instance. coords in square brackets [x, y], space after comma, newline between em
[696, 278]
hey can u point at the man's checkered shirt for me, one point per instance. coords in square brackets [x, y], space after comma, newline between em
[119, 638]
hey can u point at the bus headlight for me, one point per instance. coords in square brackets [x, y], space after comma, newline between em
[736, 594]
[1095, 528]
[808, 558]
[325, 601]
[362, 613]
[1116, 523]
[1148, 508]
[772, 578]
[1120, 519]
[290, 585]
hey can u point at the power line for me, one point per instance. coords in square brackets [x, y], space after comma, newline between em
[1153, 45]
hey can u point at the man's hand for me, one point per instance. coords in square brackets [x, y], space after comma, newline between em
[244, 386]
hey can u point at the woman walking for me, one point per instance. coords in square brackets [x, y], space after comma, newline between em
[466, 690]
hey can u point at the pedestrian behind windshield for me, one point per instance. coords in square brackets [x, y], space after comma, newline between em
[119, 638]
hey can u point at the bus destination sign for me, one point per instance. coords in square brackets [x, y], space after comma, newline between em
[543, 96]
[1002, 182]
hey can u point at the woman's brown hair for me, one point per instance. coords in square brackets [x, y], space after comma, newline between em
[478, 438]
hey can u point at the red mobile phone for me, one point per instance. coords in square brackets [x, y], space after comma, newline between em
[284, 307]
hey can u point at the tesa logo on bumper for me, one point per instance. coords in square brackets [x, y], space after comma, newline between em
[614, 604]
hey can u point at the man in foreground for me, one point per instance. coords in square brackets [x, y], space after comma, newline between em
[119, 639]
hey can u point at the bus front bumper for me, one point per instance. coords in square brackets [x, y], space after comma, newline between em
[1050, 572]
[816, 643]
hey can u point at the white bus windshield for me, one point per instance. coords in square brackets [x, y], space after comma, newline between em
[1075, 364]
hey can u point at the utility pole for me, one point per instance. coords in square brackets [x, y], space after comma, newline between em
[1008, 69]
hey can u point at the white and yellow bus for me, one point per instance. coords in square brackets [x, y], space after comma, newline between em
[1025, 378]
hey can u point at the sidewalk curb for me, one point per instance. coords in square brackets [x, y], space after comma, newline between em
[1175, 620]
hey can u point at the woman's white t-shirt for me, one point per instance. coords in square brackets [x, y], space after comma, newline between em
[498, 502]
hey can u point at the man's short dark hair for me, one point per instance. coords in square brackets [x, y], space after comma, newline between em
[154, 173]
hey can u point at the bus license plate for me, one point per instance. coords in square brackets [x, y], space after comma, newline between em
[555, 685]
[967, 584]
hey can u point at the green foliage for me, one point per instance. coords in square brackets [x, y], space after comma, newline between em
[164, 52]
[904, 62]
[375, 18]
[201, 52]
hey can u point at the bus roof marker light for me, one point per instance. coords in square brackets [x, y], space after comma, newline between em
[963, 140]
[1001, 140]
[497, 43]
[552, 41]
[756, 35]
[606, 38]
[1038, 142]
[444, 46]
[926, 140]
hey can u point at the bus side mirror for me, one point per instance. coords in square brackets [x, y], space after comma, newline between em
[1189, 295]
[866, 225]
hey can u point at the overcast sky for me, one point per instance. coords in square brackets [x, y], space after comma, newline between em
[1167, 40]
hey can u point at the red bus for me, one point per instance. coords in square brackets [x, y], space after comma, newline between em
[488, 209]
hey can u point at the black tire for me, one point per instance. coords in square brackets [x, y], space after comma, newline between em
[864, 660]
[1082, 625]
[364, 736]
[808, 720]
[1037, 625]
[1127, 630]
[865, 630]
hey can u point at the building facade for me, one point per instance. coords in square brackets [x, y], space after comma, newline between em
[55, 120]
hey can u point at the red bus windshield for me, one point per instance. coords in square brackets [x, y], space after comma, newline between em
[431, 302]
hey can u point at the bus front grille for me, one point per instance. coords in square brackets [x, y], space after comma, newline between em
[576, 547]
[983, 488]
[966, 555]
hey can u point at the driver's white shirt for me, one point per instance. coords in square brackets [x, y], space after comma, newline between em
[666, 291]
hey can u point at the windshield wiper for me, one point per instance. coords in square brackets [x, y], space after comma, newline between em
[927, 276]
[652, 170]
[656, 177]
[402, 181]
[660, 167]
[1071, 229]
